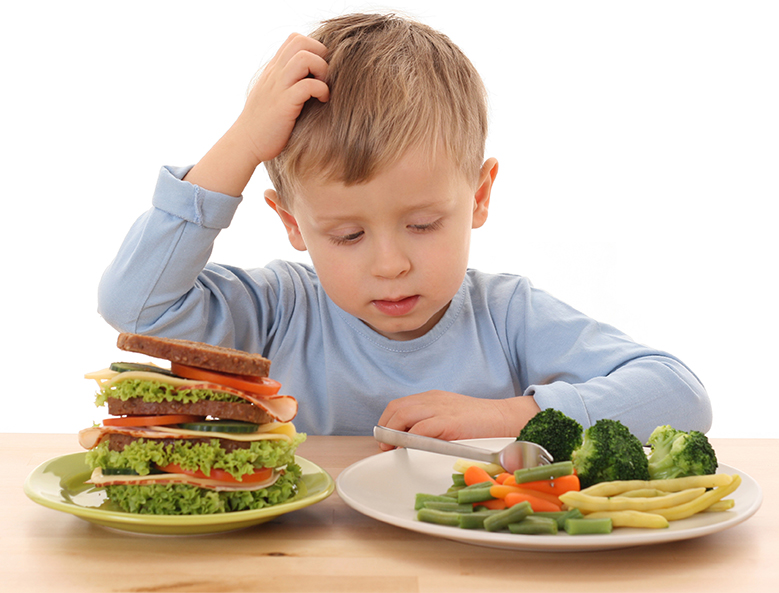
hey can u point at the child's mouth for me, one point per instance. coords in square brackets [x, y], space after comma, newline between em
[398, 307]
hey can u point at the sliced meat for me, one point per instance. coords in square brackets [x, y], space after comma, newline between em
[245, 412]
[117, 442]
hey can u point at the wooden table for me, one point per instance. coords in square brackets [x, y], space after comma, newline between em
[330, 547]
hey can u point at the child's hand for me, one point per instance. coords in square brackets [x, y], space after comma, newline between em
[294, 75]
[451, 416]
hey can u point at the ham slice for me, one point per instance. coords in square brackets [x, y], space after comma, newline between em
[282, 408]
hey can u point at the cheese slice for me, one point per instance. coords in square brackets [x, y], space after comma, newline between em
[101, 376]
[91, 437]
[99, 479]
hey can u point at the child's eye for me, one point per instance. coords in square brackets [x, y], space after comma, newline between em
[431, 226]
[346, 239]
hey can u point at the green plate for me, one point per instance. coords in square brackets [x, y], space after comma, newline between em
[60, 484]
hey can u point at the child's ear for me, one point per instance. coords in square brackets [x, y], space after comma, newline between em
[481, 199]
[287, 219]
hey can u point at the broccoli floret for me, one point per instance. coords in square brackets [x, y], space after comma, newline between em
[676, 454]
[555, 432]
[609, 452]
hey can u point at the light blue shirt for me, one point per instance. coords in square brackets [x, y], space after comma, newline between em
[499, 338]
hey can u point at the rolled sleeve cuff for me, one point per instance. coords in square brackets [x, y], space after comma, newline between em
[561, 396]
[192, 203]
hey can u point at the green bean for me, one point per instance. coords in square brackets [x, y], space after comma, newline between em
[475, 520]
[422, 498]
[484, 484]
[439, 517]
[533, 525]
[561, 516]
[502, 519]
[587, 526]
[458, 479]
[474, 495]
[544, 472]
[453, 507]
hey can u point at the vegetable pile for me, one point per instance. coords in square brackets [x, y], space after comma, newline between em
[607, 481]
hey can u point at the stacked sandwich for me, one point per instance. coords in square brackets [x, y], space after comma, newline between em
[209, 434]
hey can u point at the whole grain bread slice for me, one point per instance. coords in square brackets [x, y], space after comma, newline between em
[223, 410]
[196, 354]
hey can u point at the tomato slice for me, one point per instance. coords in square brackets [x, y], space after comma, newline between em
[260, 474]
[161, 420]
[256, 385]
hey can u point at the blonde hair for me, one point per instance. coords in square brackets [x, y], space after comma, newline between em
[395, 85]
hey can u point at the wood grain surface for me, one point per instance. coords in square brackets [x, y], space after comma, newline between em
[330, 547]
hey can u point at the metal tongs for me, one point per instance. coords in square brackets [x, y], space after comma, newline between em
[517, 455]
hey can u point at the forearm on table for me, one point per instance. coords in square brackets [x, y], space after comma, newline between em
[643, 393]
[516, 411]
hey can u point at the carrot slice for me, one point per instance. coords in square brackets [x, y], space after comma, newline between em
[557, 486]
[501, 491]
[501, 478]
[475, 475]
[495, 504]
[538, 505]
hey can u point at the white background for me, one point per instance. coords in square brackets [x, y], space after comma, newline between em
[638, 146]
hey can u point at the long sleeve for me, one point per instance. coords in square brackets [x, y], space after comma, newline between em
[591, 370]
[499, 338]
[157, 283]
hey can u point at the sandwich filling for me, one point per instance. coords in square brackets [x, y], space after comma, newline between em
[170, 472]
[182, 445]
[137, 387]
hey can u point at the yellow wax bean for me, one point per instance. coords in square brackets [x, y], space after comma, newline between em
[671, 485]
[632, 519]
[701, 503]
[644, 493]
[589, 504]
[492, 469]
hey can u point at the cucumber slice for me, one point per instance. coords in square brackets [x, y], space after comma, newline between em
[233, 426]
[123, 367]
[126, 471]
[119, 471]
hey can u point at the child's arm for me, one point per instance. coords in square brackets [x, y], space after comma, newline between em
[451, 416]
[563, 360]
[157, 283]
[294, 75]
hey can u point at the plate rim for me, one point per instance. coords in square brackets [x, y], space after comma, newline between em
[125, 521]
[561, 542]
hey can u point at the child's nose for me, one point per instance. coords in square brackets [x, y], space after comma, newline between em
[390, 260]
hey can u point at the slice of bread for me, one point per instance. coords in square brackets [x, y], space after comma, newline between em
[244, 412]
[196, 354]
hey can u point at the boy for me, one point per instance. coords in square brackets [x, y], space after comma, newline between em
[373, 133]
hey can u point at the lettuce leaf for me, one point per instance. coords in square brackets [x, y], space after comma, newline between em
[156, 392]
[182, 499]
[142, 454]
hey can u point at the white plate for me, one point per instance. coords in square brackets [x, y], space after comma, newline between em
[384, 487]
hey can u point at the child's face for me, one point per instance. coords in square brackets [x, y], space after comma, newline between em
[392, 251]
